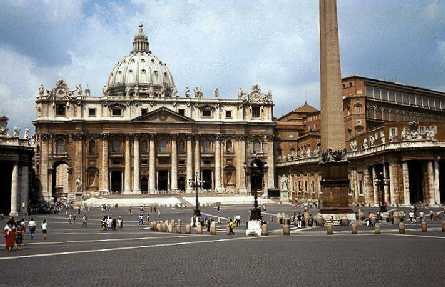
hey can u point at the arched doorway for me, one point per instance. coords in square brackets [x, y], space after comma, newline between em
[144, 185]
[60, 181]
[256, 176]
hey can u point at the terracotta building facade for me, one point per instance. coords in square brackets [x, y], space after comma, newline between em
[140, 136]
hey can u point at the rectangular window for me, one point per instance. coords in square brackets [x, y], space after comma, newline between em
[206, 113]
[60, 110]
[256, 112]
[144, 112]
[117, 112]
[91, 112]
[228, 114]
[181, 112]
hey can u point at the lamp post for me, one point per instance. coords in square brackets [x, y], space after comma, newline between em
[196, 183]
[255, 212]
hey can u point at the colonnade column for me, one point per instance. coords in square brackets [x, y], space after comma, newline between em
[217, 165]
[368, 186]
[431, 192]
[189, 166]
[127, 176]
[240, 170]
[104, 170]
[270, 166]
[197, 158]
[405, 173]
[174, 166]
[385, 185]
[374, 186]
[437, 181]
[151, 166]
[136, 170]
[25, 189]
[392, 183]
[14, 189]
[44, 168]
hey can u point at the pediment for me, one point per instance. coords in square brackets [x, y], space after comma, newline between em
[163, 115]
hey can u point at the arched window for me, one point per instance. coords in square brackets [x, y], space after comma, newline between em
[60, 145]
[181, 147]
[144, 146]
[92, 147]
[116, 146]
[206, 146]
[162, 146]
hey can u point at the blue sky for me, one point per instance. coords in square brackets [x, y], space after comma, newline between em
[226, 44]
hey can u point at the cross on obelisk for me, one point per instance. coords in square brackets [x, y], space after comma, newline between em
[331, 102]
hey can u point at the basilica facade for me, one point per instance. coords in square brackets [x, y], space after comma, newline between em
[141, 136]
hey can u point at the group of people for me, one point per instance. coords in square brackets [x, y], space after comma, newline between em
[14, 232]
[109, 223]
[303, 220]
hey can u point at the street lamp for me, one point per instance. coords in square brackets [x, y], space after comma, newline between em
[196, 183]
[255, 212]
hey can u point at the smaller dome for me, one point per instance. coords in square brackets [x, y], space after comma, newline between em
[140, 72]
[306, 108]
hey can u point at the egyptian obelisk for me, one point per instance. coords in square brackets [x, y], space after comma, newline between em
[334, 182]
[331, 102]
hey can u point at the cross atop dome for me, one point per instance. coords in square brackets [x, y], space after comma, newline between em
[140, 41]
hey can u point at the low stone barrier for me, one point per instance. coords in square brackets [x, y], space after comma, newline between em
[188, 229]
[402, 228]
[354, 228]
[424, 227]
[199, 228]
[329, 229]
[286, 230]
[213, 228]
[377, 229]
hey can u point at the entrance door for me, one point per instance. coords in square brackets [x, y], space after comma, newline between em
[256, 176]
[415, 181]
[181, 183]
[5, 187]
[207, 178]
[116, 181]
[163, 180]
[144, 185]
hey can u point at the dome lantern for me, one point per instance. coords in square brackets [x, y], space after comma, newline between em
[140, 42]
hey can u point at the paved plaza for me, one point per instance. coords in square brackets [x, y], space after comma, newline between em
[137, 256]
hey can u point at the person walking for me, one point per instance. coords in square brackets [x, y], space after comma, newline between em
[231, 226]
[120, 222]
[32, 228]
[9, 234]
[19, 235]
[84, 221]
[44, 227]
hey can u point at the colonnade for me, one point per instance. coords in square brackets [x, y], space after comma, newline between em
[20, 185]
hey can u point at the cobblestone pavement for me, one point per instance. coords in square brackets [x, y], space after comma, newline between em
[136, 256]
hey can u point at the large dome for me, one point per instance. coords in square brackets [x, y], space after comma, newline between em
[140, 74]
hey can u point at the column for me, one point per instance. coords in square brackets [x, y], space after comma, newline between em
[189, 166]
[14, 189]
[104, 181]
[240, 167]
[385, 185]
[374, 186]
[218, 165]
[405, 172]
[25, 190]
[270, 165]
[431, 192]
[151, 166]
[437, 181]
[136, 165]
[355, 185]
[369, 197]
[44, 168]
[174, 166]
[197, 157]
[393, 190]
[127, 177]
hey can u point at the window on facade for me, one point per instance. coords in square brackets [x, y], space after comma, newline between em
[162, 146]
[91, 112]
[60, 146]
[143, 146]
[228, 114]
[181, 112]
[116, 146]
[181, 147]
[229, 146]
[60, 109]
[206, 146]
[256, 112]
[207, 113]
[257, 147]
[116, 112]
[144, 112]
[92, 147]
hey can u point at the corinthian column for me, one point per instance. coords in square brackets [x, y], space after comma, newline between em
[104, 170]
[431, 193]
[405, 172]
[189, 166]
[385, 185]
[197, 157]
[436, 181]
[151, 166]
[127, 177]
[25, 189]
[374, 186]
[240, 171]
[218, 165]
[174, 167]
[136, 173]
[270, 165]
[14, 189]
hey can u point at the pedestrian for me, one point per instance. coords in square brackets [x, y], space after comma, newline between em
[113, 224]
[84, 221]
[148, 218]
[120, 222]
[70, 218]
[231, 226]
[9, 232]
[209, 223]
[141, 219]
[159, 212]
[109, 223]
[19, 235]
[32, 227]
[44, 229]
[421, 216]
[299, 221]
[411, 216]
[129, 210]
